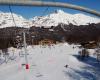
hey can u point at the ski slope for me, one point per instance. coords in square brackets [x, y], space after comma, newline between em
[47, 63]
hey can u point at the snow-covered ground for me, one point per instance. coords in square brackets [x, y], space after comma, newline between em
[47, 63]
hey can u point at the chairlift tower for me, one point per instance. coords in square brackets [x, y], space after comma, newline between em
[25, 46]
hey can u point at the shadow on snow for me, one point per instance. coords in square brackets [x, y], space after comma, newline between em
[90, 71]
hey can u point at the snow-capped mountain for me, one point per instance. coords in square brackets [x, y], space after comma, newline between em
[60, 16]
[6, 20]
[53, 19]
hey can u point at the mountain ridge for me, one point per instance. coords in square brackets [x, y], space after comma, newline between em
[49, 20]
[6, 20]
[60, 16]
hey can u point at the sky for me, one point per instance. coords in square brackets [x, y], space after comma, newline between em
[29, 12]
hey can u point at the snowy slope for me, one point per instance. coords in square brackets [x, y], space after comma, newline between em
[60, 16]
[47, 63]
[6, 20]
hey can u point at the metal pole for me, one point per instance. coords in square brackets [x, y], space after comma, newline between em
[25, 46]
[53, 4]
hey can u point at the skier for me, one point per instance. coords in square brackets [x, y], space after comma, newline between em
[66, 66]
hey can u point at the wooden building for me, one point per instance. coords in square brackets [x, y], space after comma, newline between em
[46, 42]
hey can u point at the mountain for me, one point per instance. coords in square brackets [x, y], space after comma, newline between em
[6, 20]
[53, 19]
[60, 16]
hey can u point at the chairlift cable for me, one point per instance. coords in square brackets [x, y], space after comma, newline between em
[47, 8]
[12, 16]
[10, 9]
